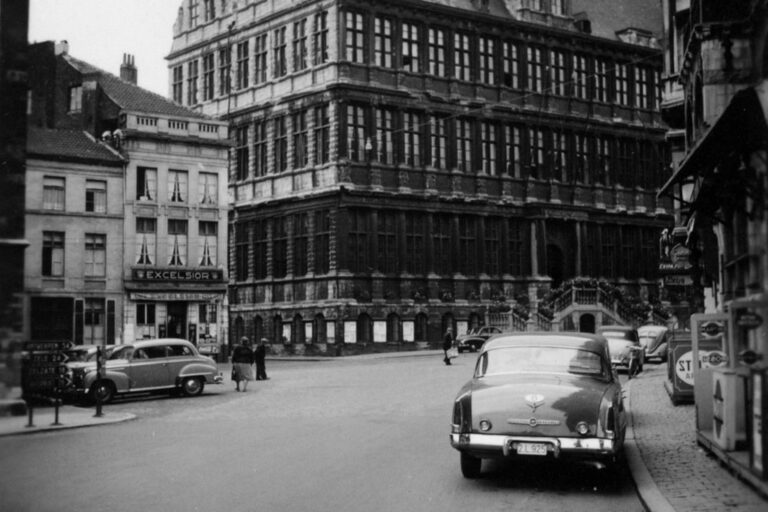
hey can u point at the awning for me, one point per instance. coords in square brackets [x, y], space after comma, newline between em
[740, 128]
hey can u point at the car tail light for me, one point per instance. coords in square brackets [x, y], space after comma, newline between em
[610, 422]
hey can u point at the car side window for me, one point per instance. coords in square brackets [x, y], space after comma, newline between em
[140, 354]
[179, 351]
[155, 352]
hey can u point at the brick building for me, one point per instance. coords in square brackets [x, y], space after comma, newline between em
[170, 202]
[399, 167]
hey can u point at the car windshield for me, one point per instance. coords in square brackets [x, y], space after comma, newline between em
[540, 359]
[124, 352]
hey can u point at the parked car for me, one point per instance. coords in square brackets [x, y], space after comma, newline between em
[540, 395]
[166, 365]
[474, 338]
[625, 348]
[655, 340]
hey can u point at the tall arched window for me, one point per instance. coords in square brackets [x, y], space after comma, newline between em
[364, 328]
[258, 329]
[319, 332]
[448, 321]
[277, 329]
[393, 328]
[239, 329]
[421, 328]
[297, 331]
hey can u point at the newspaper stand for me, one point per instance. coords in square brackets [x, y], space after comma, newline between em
[44, 374]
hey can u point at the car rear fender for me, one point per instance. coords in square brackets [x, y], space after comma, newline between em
[197, 369]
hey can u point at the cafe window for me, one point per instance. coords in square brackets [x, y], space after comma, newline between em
[207, 238]
[145, 240]
[177, 242]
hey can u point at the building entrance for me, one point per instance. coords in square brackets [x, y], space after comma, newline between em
[177, 320]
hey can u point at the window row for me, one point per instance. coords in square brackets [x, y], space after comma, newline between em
[289, 48]
[177, 186]
[176, 241]
[519, 150]
[54, 194]
[285, 142]
[389, 42]
[94, 254]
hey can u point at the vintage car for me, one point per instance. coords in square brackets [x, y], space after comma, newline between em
[166, 365]
[655, 341]
[625, 348]
[474, 338]
[540, 395]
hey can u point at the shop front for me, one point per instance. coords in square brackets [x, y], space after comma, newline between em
[187, 304]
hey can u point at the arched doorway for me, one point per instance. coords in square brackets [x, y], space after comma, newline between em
[587, 323]
[364, 328]
[239, 329]
[393, 327]
[298, 330]
[420, 328]
[277, 329]
[258, 329]
[319, 331]
[555, 264]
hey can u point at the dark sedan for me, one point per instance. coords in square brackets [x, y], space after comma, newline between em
[540, 395]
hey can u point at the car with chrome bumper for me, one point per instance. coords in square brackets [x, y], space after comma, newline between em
[655, 341]
[624, 345]
[542, 396]
[147, 366]
[474, 338]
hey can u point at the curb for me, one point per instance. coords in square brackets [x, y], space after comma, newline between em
[647, 490]
[84, 420]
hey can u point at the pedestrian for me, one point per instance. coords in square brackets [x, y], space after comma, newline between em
[447, 345]
[259, 354]
[242, 364]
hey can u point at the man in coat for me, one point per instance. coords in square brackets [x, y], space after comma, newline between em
[260, 354]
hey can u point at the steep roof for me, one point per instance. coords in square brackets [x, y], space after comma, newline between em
[131, 97]
[68, 145]
[610, 16]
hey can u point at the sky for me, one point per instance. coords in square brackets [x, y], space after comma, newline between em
[101, 31]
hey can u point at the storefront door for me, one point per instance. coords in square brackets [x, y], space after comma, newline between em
[177, 320]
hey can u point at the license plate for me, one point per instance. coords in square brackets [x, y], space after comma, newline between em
[531, 449]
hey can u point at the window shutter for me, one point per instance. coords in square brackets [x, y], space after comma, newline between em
[79, 322]
[110, 322]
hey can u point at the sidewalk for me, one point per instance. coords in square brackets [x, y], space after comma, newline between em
[70, 416]
[671, 471]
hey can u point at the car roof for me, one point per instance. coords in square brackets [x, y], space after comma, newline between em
[581, 340]
[654, 329]
[625, 328]
[158, 341]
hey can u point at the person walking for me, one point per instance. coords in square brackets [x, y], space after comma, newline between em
[242, 364]
[259, 355]
[447, 345]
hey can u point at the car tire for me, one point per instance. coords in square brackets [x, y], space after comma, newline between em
[104, 390]
[470, 466]
[192, 386]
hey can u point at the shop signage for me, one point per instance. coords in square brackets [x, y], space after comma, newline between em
[749, 320]
[674, 268]
[174, 296]
[178, 275]
[678, 280]
[712, 328]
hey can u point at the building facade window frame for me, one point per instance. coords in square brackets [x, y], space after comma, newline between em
[322, 241]
[96, 196]
[146, 183]
[225, 70]
[177, 242]
[412, 134]
[208, 76]
[146, 240]
[177, 86]
[462, 51]
[178, 188]
[384, 41]
[437, 42]
[242, 163]
[241, 251]
[410, 54]
[54, 193]
[95, 264]
[280, 135]
[207, 235]
[322, 131]
[487, 62]
[53, 253]
[242, 65]
[300, 50]
[260, 53]
[320, 38]
[192, 77]
[354, 33]
[300, 139]
[260, 147]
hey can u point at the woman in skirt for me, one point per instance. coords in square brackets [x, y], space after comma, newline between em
[242, 364]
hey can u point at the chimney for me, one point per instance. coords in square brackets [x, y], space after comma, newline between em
[128, 69]
[62, 47]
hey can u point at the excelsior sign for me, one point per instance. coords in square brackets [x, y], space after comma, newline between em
[178, 275]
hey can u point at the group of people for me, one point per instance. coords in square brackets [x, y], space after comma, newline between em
[243, 359]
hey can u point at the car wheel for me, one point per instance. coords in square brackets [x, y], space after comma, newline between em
[192, 386]
[103, 390]
[470, 466]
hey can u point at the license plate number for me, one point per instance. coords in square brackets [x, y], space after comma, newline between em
[531, 449]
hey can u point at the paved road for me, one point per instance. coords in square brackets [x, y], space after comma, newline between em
[341, 435]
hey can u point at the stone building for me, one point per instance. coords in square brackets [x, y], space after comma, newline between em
[721, 187]
[171, 204]
[400, 167]
[74, 223]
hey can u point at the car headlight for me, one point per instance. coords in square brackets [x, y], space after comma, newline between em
[582, 428]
